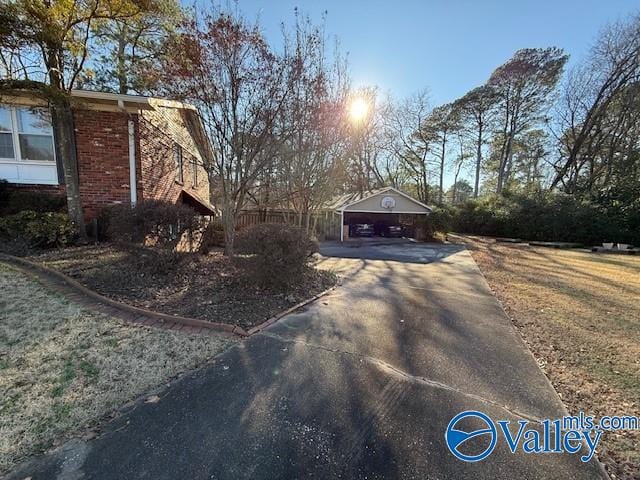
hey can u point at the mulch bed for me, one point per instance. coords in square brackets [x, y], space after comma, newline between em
[208, 287]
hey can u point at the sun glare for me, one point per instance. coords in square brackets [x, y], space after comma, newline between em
[358, 109]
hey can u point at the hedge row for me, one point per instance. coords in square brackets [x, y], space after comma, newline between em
[550, 217]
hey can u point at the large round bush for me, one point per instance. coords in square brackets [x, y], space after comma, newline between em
[278, 254]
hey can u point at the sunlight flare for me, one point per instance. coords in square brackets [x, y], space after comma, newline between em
[358, 109]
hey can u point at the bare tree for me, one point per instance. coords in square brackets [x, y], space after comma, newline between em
[368, 139]
[604, 83]
[409, 142]
[225, 67]
[311, 163]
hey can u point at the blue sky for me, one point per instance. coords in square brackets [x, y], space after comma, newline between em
[447, 46]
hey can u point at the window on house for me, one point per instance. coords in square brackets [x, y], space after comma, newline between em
[6, 134]
[27, 153]
[177, 158]
[194, 171]
[35, 135]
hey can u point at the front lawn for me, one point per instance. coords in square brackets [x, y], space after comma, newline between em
[208, 287]
[580, 315]
[63, 368]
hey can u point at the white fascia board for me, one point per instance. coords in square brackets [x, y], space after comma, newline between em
[384, 190]
[384, 213]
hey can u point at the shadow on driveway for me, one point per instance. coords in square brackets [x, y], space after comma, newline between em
[360, 385]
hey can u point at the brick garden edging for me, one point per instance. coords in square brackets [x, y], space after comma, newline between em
[289, 310]
[81, 294]
[257, 328]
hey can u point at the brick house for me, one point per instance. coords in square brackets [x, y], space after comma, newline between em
[129, 148]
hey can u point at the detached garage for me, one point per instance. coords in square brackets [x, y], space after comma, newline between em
[380, 210]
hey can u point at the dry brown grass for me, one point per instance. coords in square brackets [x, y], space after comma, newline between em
[580, 314]
[63, 367]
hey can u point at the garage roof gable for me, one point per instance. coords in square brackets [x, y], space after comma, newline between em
[373, 203]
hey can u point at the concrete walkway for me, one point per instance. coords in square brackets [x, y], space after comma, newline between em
[361, 384]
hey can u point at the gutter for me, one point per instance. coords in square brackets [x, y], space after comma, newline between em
[132, 163]
[131, 131]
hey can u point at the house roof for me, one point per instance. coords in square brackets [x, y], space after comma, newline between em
[123, 100]
[352, 199]
[100, 100]
[197, 203]
[340, 201]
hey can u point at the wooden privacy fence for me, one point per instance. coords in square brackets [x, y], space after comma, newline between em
[324, 225]
[251, 217]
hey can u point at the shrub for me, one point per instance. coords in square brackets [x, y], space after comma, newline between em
[153, 221]
[546, 217]
[150, 262]
[37, 202]
[279, 253]
[434, 227]
[37, 229]
[440, 218]
[485, 216]
[212, 236]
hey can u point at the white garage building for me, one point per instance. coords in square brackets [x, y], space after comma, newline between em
[385, 206]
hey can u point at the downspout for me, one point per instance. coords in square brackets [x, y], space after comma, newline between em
[132, 163]
[132, 157]
[341, 225]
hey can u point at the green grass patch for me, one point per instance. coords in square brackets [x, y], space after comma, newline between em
[89, 369]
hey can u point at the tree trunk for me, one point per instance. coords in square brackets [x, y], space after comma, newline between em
[229, 225]
[504, 163]
[503, 149]
[476, 187]
[65, 138]
[444, 142]
[425, 185]
[64, 134]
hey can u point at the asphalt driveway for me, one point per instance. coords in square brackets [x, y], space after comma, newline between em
[360, 384]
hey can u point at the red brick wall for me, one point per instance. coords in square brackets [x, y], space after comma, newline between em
[160, 130]
[102, 143]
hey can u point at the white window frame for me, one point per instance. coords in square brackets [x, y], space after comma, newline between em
[17, 152]
[194, 172]
[178, 160]
[14, 140]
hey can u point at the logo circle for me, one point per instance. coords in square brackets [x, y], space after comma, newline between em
[456, 437]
